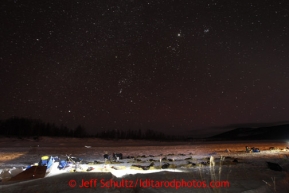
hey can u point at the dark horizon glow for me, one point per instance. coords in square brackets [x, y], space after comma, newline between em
[188, 67]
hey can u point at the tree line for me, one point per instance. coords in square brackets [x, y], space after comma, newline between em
[23, 127]
[149, 134]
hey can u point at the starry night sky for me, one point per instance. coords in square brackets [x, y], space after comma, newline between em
[182, 67]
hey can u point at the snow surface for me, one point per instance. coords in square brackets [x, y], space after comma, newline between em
[249, 174]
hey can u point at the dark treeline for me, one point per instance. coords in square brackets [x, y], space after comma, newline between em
[22, 127]
[135, 134]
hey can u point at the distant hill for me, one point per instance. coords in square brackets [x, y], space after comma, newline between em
[261, 133]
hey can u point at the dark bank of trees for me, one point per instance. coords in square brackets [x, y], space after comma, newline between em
[22, 127]
[134, 134]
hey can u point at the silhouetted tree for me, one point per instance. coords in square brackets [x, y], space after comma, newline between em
[79, 131]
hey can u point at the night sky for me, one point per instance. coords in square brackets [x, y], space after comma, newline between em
[183, 67]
